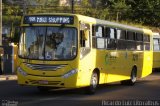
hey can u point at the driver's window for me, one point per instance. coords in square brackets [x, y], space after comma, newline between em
[85, 42]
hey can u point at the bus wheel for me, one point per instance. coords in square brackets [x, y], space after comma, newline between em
[133, 78]
[93, 84]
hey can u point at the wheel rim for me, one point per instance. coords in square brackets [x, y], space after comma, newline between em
[94, 80]
[133, 77]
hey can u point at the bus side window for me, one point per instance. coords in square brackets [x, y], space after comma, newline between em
[131, 43]
[93, 36]
[121, 42]
[139, 41]
[110, 33]
[111, 38]
[131, 35]
[99, 31]
[98, 37]
[146, 40]
[100, 43]
[156, 46]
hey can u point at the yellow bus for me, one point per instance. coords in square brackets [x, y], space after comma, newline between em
[73, 51]
[156, 51]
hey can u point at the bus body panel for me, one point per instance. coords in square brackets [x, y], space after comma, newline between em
[147, 64]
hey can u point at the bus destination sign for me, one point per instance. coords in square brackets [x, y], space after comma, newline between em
[48, 20]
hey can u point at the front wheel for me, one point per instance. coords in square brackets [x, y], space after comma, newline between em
[93, 84]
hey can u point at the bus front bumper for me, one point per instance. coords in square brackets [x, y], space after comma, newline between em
[50, 81]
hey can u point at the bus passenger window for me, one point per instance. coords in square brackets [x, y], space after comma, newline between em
[121, 44]
[111, 38]
[111, 44]
[99, 31]
[119, 32]
[131, 43]
[146, 39]
[131, 35]
[139, 41]
[139, 45]
[139, 37]
[100, 43]
[156, 45]
[110, 33]
[99, 34]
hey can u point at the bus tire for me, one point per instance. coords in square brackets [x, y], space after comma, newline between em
[93, 83]
[132, 79]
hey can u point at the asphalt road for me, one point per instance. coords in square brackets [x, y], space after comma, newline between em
[146, 89]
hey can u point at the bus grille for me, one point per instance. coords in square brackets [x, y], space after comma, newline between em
[48, 82]
[45, 67]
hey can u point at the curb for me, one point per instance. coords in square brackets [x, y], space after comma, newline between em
[8, 77]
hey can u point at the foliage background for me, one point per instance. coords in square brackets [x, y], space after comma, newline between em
[133, 12]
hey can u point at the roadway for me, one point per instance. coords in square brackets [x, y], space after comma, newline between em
[145, 89]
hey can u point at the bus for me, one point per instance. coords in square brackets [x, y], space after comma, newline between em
[156, 51]
[63, 50]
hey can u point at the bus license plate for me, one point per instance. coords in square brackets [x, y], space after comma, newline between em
[43, 82]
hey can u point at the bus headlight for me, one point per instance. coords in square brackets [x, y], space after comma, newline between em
[21, 71]
[68, 74]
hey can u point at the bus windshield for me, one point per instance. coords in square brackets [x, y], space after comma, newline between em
[48, 43]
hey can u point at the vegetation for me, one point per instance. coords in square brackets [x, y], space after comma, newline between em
[141, 12]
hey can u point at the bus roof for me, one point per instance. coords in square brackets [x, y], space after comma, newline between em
[114, 24]
[101, 22]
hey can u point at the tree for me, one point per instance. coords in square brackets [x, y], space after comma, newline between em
[119, 7]
[146, 11]
[10, 17]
